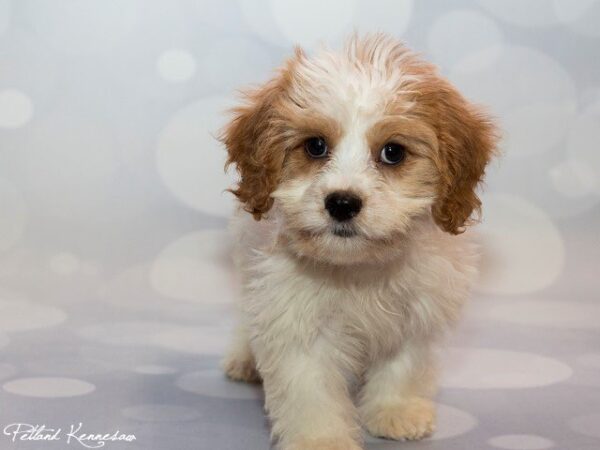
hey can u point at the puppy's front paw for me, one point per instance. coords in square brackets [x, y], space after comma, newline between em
[241, 369]
[411, 420]
[324, 444]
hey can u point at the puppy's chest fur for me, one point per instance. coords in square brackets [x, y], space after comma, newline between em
[366, 312]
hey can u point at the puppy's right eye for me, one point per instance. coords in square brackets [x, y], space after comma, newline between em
[316, 147]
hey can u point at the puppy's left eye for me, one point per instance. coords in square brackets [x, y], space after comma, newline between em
[316, 147]
[392, 153]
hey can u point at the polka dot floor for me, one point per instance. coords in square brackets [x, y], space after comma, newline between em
[115, 280]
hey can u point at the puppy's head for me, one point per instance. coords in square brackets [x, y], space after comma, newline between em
[352, 149]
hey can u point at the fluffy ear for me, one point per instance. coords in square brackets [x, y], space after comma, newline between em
[251, 141]
[467, 141]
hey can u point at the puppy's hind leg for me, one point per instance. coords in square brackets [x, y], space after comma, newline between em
[239, 363]
[395, 400]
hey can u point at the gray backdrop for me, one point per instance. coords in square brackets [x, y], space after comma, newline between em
[115, 282]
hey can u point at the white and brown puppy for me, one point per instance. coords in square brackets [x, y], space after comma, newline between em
[357, 169]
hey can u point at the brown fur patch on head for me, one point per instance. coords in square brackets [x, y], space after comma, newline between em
[265, 130]
[467, 141]
[254, 146]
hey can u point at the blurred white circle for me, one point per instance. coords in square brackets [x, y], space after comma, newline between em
[176, 65]
[569, 10]
[67, 364]
[69, 165]
[582, 16]
[4, 15]
[124, 333]
[389, 16]
[196, 340]
[257, 14]
[573, 178]
[91, 268]
[82, 149]
[461, 32]
[534, 129]
[131, 290]
[191, 162]
[541, 79]
[13, 218]
[154, 369]
[16, 108]
[232, 63]
[486, 368]
[450, 422]
[22, 315]
[64, 263]
[105, 358]
[526, 13]
[521, 442]
[48, 387]
[127, 288]
[588, 424]
[82, 26]
[308, 22]
[213, 383]
[534, 108]
[205, 340]
[523, 250]
[582, 146]
[554, 314]
[161, 413]
[196, 267]
[221, 16]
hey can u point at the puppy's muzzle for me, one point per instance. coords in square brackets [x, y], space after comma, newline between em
[342, 205]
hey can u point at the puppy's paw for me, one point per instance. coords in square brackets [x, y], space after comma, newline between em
[241, 369]
[411, 420]
[324, 444]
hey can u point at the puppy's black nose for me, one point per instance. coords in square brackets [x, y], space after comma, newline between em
[342, 206]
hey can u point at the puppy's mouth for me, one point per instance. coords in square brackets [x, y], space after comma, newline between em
[344, 230]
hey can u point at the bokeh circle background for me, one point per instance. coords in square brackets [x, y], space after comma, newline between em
[116, 279]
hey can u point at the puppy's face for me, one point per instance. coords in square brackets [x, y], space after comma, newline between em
[351, 150]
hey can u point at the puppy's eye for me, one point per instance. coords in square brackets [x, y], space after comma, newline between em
[392, 153]
[316, 147]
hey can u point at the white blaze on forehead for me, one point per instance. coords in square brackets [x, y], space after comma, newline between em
[342, 89]
[351, 157]
[353, 97]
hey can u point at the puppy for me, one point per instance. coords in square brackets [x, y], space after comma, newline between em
[358, 170]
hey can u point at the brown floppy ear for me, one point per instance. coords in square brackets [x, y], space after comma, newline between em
[467, 141]
[251, 141]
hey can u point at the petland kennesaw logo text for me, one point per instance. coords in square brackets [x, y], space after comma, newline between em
[75, 435]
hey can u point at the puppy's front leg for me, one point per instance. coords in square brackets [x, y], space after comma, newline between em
[239, 364]
[307, 396]
[395, 400]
